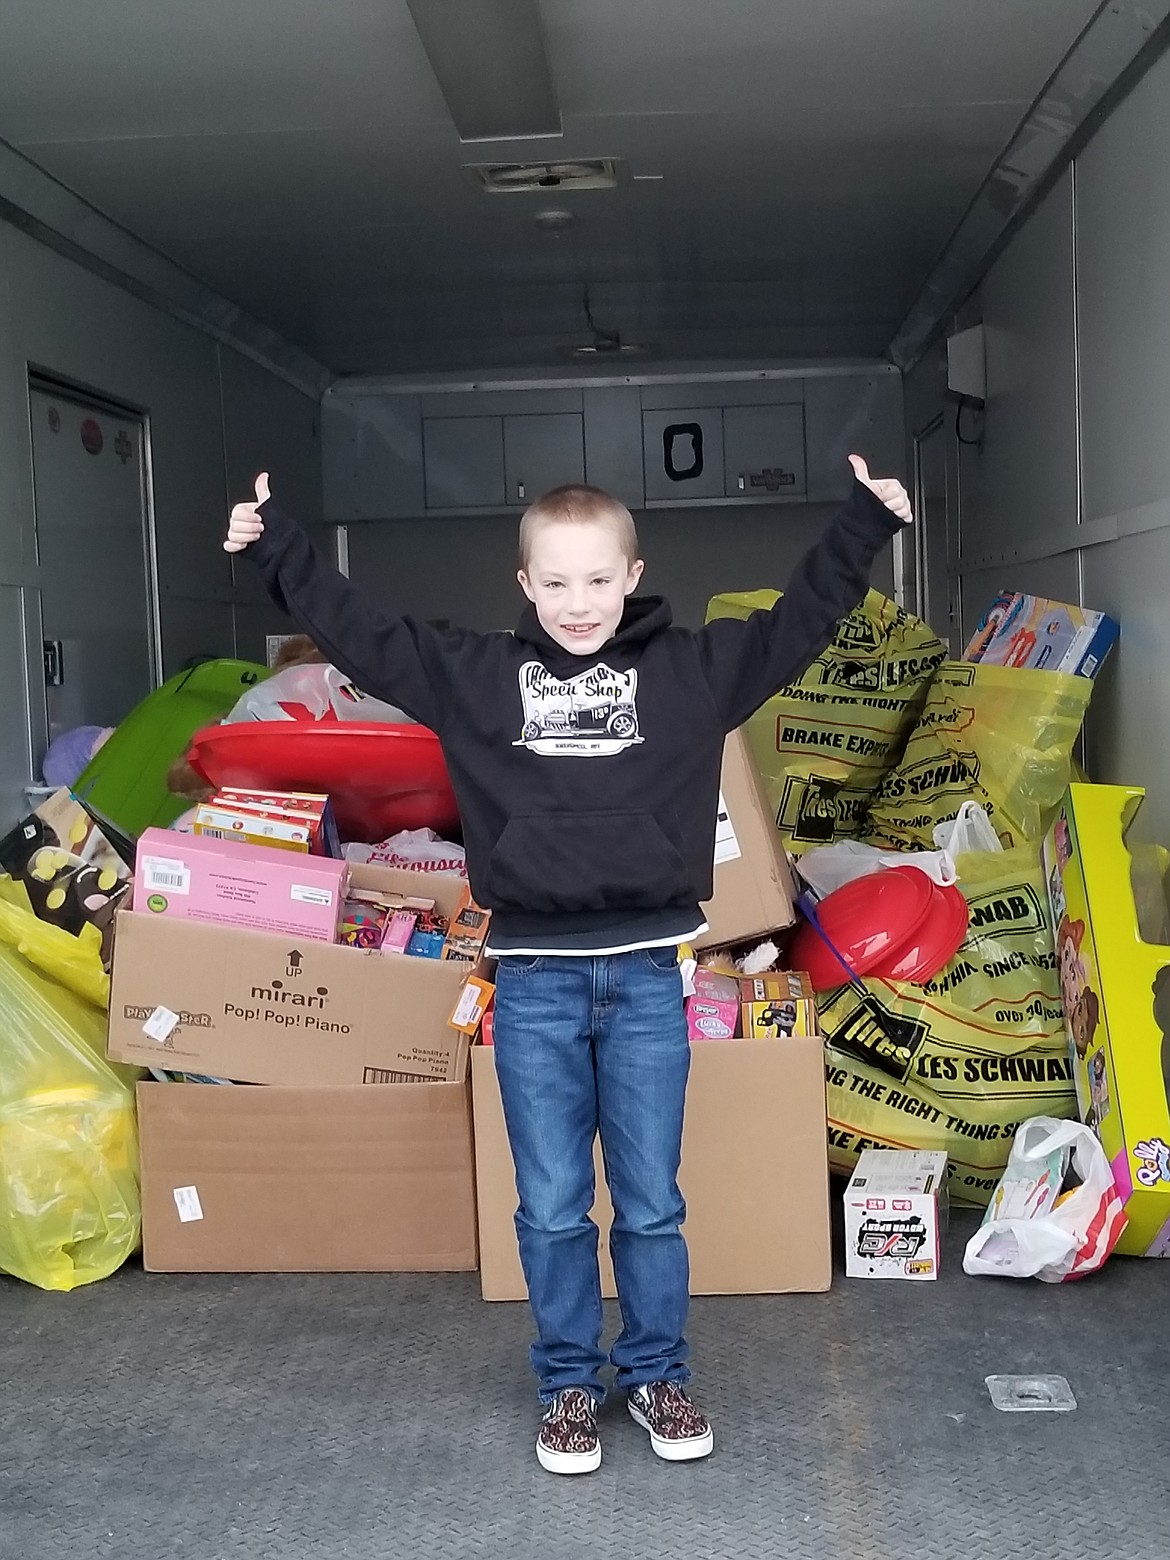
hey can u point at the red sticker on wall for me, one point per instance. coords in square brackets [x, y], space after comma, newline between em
[92, 437]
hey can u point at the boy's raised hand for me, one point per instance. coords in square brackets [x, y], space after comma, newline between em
[244, 524]
[891, 492]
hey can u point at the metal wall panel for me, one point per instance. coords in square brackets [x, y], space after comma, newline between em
[1130, 716]
[373, 463]
[1024, 478]
[613, 442]
[1123, 257]
[852, 415]
[61, 319]
[14, 755]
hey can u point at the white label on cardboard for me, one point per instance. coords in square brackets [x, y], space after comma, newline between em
[160, 1025]
[468, 1007]
[162, 875]
[726, 843]
[311, 896]
[188, 1204]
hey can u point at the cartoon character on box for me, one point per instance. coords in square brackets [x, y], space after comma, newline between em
[1098, 1088]
[778, 1020]
[1082, 1006]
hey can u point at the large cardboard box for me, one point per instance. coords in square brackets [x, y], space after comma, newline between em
[276, 1180]
[753, 881]
[264, 1009]
[754, 1173]
[1114, 987]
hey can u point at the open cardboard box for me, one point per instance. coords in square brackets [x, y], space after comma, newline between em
[286, 1180]
[264, 1009]
[753, 881]
[754, 1172]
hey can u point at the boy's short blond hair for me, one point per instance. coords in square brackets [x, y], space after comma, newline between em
[578, 504]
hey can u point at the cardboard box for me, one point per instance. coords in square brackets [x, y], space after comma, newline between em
[328, 1180]
[895, 1213]
[191, 877]
[1029, 631]
[753, 881]
[754, 1173]
[264, 1009]
[1114, 988]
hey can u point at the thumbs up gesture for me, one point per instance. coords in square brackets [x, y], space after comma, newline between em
[891, 492]
[244, 524]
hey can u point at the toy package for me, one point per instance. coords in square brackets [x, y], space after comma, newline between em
[1114, 989]
[1029, 631]
[71, 873]
[280, 819]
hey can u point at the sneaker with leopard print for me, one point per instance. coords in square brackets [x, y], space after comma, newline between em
[568, 1441]
[678, 1431]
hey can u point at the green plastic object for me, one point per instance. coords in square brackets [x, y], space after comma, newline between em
[126, 780]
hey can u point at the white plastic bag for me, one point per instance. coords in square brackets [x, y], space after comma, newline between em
[313, 692]
[969, 830]
[413, 850]
[828, 867]
[1034, 1230]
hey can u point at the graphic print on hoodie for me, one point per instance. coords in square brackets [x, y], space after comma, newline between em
[593, 714]
[588, 786]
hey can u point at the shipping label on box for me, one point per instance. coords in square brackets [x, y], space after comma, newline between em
[1114, 988]
[895, 1211]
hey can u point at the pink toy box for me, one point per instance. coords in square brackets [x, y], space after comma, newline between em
[193, 878]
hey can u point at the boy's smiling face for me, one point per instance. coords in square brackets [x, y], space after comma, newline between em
[578, 579]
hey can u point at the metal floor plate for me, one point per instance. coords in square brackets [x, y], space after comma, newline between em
[356, 1418]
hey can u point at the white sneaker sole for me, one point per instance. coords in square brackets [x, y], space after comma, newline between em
[674, 1451]
[568, 1462]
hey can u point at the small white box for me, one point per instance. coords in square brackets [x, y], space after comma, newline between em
[895, 1212]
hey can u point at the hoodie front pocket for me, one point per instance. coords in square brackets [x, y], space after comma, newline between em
[549, 862]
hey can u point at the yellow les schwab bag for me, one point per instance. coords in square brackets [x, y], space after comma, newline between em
[823, 745]
[999, 735]
[958, 1064]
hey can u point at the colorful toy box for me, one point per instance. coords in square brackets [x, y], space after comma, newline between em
[777, 1006]
[1114, 988]
[1028, 631]
[193, 878]
[895, 1213]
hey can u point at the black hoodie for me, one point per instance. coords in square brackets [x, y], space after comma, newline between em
[588, 785]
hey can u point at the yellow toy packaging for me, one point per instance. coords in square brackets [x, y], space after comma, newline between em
[777, 1006]
[1113, 986]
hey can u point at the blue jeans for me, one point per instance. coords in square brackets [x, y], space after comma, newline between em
[587, 1044]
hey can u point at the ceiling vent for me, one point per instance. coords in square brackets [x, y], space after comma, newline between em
[595, 173]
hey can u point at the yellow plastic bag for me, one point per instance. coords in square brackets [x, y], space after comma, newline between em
[999, 735]
[69, 1199]
[74, 961]
[960, 1063]
[823, 745]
